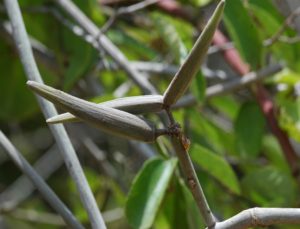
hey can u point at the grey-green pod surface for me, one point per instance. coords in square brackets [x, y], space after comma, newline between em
[191, 65]
[134, 105]
[107, 119]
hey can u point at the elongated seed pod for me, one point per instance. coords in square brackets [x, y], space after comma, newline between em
[107, 119]
[189, 68]
[134, 105]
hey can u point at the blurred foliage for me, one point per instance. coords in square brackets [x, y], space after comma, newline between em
[238, 161]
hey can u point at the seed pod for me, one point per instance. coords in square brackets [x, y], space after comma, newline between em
[189, 68]
[107, 119]
[134, 105]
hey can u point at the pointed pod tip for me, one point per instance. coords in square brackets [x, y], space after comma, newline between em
[221, 4]
[32, 84]
[51, 120]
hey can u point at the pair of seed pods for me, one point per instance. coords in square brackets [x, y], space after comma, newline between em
[119, 116]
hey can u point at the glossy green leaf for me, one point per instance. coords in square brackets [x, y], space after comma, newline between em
[287, 76]
[249, 129]
[147, 191]
[216, 166]
[132, 47]
[269, 187]
[243, 32]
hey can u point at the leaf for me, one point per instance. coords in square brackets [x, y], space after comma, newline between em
[174, 211]
[269, 20]
[170, 37]
[216, 166]
[287, 76]
[269, 187]
[226, 105]
[191, 208]
[289, 116]
[199, 87]
[147, 191]
[17, 103]
[243, 33]
[273, 152]
[249, 129]
[210, 135]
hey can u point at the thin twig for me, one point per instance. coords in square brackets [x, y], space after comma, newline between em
[106, 45]
[22, 188]
[37, 217]
[126, 10]
[288, 21]
[193, 182]
[60, 134]
[44, 189]
[261, 217]
[228, 87]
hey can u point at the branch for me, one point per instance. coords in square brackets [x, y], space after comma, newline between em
[261, 217]
[126, 10]
[192, 180]
[58, 131]
[37, 217]
[228, 87]
[106, 45]
[44, 189]
[288, 21]
[45, 166]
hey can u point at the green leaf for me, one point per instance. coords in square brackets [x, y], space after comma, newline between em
[191, 208]
[170, 37]
[269, 187]
[216, 166]
[17, 102]
[273, 152]
[147, 191]
[174, 211]
[207, 133]
[269, 20]
[287, 76]
[81, 57]
[199, 87]
[130, 45]
[226, 105]
[243, 32]
[249, 129]
[289, 116]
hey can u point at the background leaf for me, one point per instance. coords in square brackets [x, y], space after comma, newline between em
[269, 187]
[249, 129]
[147, 191]
[243, 32]
[216, 166]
